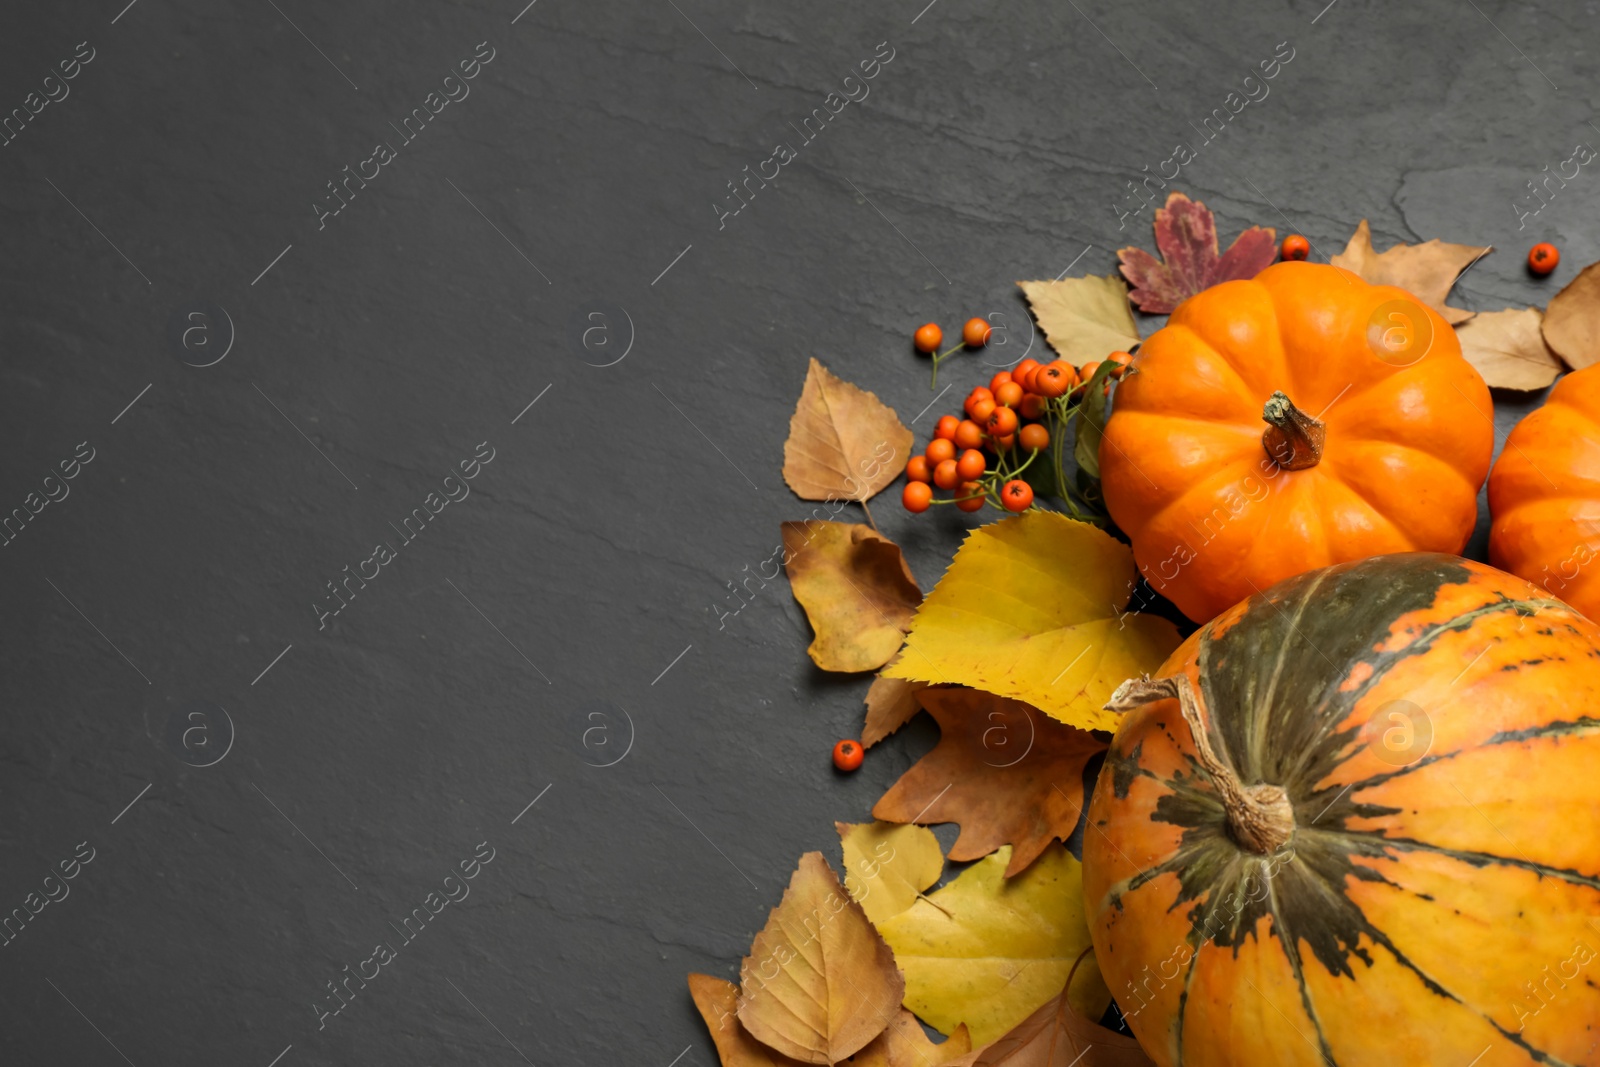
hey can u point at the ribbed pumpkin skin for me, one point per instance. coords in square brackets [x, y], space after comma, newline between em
[1544, 495]
[1212, 518]
[1418, 907]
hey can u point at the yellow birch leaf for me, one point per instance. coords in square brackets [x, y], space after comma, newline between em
[1032, 608]
[844, 443]
[987, 950]
[718, 1001]
[886, 865]
[855, 588]
[819, 982]
[1572, 321]
[1084, 319]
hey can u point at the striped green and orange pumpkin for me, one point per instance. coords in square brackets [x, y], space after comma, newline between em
[1356, 821]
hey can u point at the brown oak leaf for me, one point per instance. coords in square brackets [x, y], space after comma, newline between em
[855, 588]
[1007, 772]
[1057, 1036]
[1427, 270]
[1572, 321]
[1186, 236]
[1508, 349]
[820, 982]
[844, 443]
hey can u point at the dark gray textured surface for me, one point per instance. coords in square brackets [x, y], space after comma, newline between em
[458, 686]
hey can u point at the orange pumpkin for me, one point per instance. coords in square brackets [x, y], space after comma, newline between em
[1544, 495]
[1377, 435]
[1353, 822]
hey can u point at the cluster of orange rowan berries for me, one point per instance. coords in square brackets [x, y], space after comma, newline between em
[1009, 420]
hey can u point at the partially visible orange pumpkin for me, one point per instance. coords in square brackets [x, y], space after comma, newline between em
[1544, 495]
[1354, 824]
[1292, 421]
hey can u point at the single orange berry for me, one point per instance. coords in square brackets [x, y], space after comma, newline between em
[1003, 444]
[928, 338]
[1008, 395]
[977, 394]
[1034, 406]
[1543, 258]
[947, 475]
[847, 755]
[982, 409]
[998, 380]
[1002, 422]
[1016, 495]
[1034, 438]
[975, 333]
[969, 434]
[947, 427]
[916, 496]
[969, 496]
[1054, 379]
[1122, 361]
[1296, 247]
[1085, 372]
[918, 469]
[1022, 373]
[971, 465]
[939, 449]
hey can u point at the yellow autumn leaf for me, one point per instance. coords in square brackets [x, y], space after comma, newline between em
[844, 443]
[1032, 608]
[987, 950]
[888, 865]
[1084, 319]
[819, 982]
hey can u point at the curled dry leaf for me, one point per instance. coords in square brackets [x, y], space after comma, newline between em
[887, 866]
[1427, 270]
[1083, 319]
[718, 1002]
[987, 950]
[1572, 321]
[1057, 1036]
[891, 703]
[1032, 608]
[1186, 236]
[855, 588]
[844, 443]
[1508, 349]
[1007, 773]
[819, 982]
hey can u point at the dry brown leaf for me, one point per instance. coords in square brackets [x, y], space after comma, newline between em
[819, 983]
[1572, 321]
[718, 1001]
[1508, 349]
[844, 443]
[1427, 270]
[855, 588]
[1084, 319]
[1007, 772]
[905, 1045]
[891, 703]
[888, 865]
[1057, 1036]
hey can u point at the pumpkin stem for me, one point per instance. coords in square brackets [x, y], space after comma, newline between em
[1293, 439]
[1260, 817]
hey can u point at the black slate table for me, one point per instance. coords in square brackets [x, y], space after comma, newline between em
[525, 295]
